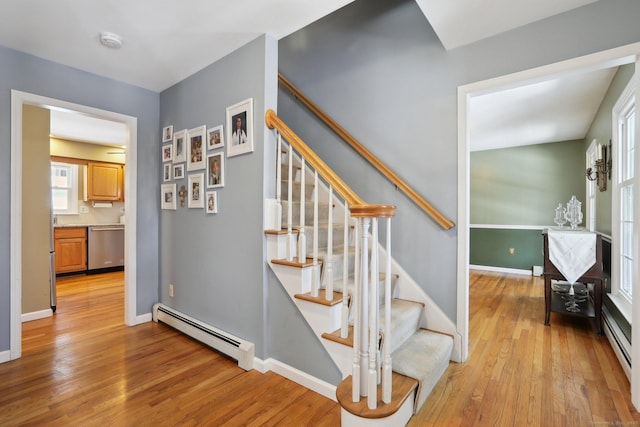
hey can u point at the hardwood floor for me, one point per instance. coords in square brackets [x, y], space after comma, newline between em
[523, 373]
[84, 367]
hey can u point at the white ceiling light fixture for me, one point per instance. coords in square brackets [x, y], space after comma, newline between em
[110, 40]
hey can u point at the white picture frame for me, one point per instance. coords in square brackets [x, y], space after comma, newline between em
[168, 196]
[178, 171]
[212, 202]
[167, 133]
[167, 153]
[215, 170]
[196, 155]
[180, 146]
[166, 173]
[215, 137]
[195, 192]
[240, 115]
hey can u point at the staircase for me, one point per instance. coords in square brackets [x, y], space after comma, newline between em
[314, 254]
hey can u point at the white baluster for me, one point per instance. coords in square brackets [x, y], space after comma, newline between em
[387, 364]
[372, 380]
[290, 207]
[329, 260]
[302, 239]
[344, 332]
[315, 282]
[279, 184]
[355, 386]
[363, 300]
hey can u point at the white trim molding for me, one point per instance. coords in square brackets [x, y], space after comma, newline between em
[35, 315]
[501, 269]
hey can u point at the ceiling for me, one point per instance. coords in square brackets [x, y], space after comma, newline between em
[175, 39]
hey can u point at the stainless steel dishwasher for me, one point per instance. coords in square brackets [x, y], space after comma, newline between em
[105, 247]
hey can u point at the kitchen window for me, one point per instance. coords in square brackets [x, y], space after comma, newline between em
[64, 188]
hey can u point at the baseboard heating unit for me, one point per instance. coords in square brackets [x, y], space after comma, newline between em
[242, 351]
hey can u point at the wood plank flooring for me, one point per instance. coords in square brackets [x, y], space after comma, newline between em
[83, 367]
[523, 373]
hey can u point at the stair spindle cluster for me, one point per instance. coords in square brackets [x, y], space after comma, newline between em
[370, 366]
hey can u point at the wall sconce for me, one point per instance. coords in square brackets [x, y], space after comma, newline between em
[601, 169]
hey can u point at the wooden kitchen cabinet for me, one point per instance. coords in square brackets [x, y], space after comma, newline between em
[71, 249]
[105, 182]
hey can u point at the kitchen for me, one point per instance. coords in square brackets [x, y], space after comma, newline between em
[82, 180]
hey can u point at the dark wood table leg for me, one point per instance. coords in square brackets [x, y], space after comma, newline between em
[597, 290]
[547, 299]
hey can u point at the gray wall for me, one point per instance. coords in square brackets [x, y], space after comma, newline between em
[377, 67]
[30, 74]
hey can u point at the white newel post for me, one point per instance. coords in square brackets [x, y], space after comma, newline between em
[364, 305]
[357, 310]
[372, 380]
[315, 280]
[345, 275]
[329, 260]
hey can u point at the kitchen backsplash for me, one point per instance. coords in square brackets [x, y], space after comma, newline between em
[102, 215]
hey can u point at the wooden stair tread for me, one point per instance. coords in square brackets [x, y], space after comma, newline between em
[402, 389]
[335, 336]
[295, 263]
[321, 298]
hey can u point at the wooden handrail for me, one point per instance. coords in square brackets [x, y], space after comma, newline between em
[356, 204]
[437, 216]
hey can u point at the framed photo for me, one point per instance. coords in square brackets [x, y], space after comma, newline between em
[179, 146]
[196, 191]
[167, 133]
[215, 170]
[212, 202]
[167, 172]
[168, 196]
[240, 128]
[167, 153]
[215, 138]
[195, 148]
[178, 171]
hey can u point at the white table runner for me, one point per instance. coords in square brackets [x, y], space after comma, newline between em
[572, 252]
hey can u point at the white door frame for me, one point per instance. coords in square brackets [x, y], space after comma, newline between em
[18, 99]
[606, 59]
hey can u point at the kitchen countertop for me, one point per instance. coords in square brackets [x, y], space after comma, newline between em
[113, 224]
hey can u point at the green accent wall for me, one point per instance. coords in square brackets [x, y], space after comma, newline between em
[523, 185]
[490, 247]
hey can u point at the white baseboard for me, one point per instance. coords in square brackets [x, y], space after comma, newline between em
[297, 376]
[35, 315]
[500, 269]
[144, 318]
[5, 356]
[617, 340]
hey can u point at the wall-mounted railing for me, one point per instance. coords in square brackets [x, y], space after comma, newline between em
[409, 191]
[299, 163]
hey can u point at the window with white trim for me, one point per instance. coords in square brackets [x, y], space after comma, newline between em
[64, 188]
[624, 146]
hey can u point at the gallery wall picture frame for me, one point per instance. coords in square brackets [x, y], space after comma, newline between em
[166, 174]
[240, 128]
[167, 133]
[196, 148]
[215, 137]
[168, 196]
[195, 196]
[180, 146]
[167, 153]
[178, 171]
[212, 202]
[215, 170]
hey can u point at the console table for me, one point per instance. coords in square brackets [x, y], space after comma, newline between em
[592, 306]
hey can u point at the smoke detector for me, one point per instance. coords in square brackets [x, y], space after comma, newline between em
[110, 40]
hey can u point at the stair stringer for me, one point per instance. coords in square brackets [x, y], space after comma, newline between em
[320, 318]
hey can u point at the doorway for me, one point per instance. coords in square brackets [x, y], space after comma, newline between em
[611, 58]
[18, 99]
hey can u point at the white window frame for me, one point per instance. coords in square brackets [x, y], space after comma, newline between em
[72, 196]
[626, 101]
